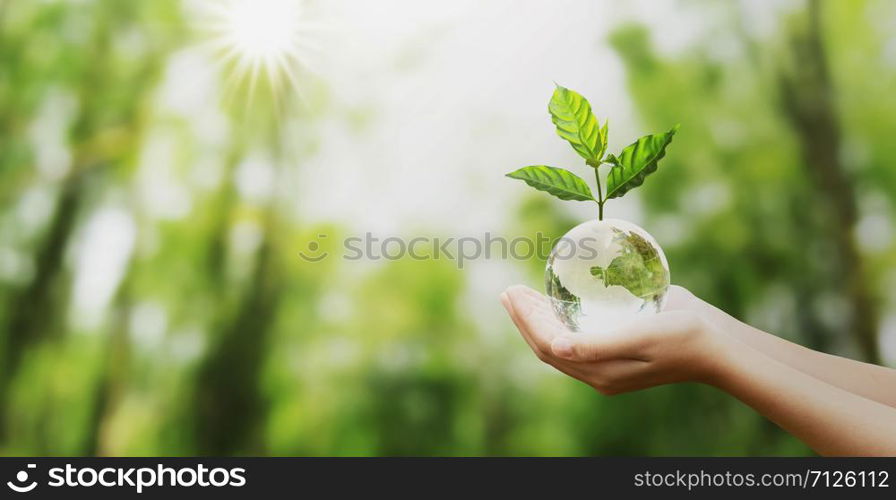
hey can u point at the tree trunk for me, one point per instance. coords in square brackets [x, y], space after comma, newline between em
[808, 102]
[228, 403]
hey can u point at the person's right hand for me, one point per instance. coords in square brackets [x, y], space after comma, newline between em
[835, 405]
[673, 346]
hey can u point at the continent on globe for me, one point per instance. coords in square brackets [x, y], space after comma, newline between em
[601, 274]
[638, 268]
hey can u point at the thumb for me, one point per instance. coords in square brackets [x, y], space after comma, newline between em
[628, 342]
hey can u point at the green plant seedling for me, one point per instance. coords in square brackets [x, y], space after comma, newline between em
[576, 123]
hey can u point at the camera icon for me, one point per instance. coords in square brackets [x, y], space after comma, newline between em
[21, 478]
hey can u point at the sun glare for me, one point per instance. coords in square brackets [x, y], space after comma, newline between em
[264, 29]
[260, 39]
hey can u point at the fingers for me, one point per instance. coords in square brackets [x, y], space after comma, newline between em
[535, 316]
[505, 301]
[617, 376]
[619, 344]
[548, 337]
[541, 349]
[649, 351]
[635, 340]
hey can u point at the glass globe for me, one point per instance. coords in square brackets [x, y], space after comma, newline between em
[602, 274]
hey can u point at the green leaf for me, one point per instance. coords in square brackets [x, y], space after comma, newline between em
[635, 162]
[561, 183]
[575, 123]
[603, 136]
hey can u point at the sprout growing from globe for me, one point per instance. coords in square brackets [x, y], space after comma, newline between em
[603, 272]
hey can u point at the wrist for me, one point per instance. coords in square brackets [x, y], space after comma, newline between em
[718, 356]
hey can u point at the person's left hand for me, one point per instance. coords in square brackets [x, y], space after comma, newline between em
[671, 346]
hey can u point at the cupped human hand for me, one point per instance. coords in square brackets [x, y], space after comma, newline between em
[682, 343]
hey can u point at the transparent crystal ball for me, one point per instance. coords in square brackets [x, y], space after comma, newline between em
[602, 274]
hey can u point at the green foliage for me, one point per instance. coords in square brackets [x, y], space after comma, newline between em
[571, 114]
[559, 182]
[575, 122]
[638, 269]
[635, 162]
[378, 358]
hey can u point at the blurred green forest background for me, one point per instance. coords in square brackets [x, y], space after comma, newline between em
[152, 297]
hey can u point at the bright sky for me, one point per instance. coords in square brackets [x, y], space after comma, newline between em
[457, 95]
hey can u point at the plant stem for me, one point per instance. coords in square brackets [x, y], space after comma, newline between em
[600, 195]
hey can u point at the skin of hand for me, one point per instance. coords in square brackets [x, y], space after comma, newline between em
[874, 382]
[692, 341]
[672, 346]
